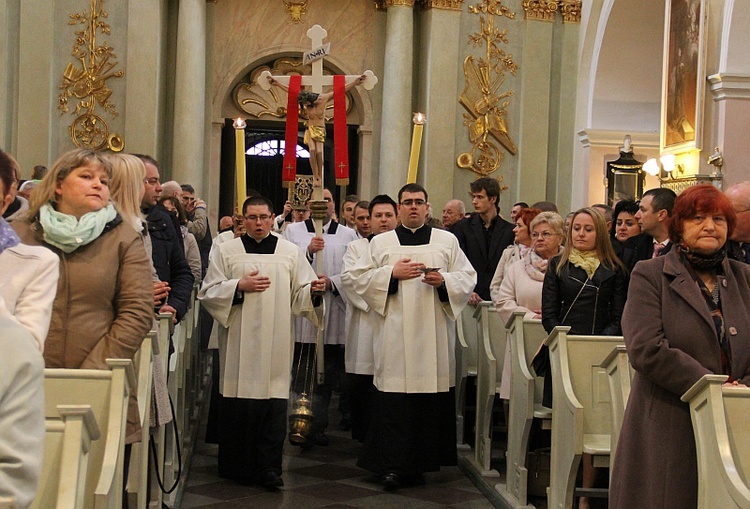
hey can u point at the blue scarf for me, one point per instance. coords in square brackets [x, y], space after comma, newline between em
[8, 237]
[67, 233]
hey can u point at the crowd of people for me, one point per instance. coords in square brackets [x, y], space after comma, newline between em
[99, 245]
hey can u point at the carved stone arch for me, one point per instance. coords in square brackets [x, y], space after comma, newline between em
[735, 38]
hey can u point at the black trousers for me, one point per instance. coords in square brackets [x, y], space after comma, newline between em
[362, 393]
[411, 433]
[251, 437]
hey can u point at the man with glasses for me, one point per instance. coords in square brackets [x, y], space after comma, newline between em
[254, 284]
[167, 251]
[739, 245]
[331, 246]
[418, 279]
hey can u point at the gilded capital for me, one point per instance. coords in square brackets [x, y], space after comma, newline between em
[541, 10]
[448, 5]
[571, 11]
[389, 3]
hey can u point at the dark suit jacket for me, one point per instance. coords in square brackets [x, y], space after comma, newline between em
[470, 234]
[168, 254]
[636, 249]
[671, 341]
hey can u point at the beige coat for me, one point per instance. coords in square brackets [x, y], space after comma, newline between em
[103, 308]
[672, 342]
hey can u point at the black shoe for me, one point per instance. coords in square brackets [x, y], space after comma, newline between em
[390, 481]
[319, 439]
[271, 481]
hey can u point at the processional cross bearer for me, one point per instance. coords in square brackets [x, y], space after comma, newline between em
[314, 103]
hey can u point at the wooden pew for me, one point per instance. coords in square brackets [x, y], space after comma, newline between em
[722, 441]
[67, 447]
[491, 354]
[525, 336]
[7, 503]
[107, 392]
[580, 408]
[137, 487]
[619, 374]
[466, 366]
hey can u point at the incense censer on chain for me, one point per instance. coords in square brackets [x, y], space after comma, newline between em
[301, 421]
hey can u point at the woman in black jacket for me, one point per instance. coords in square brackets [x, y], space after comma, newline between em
[584, 288]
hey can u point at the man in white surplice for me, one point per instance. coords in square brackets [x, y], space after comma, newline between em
[253, 285]
[419, 280]
[362, 323]
[331, 246]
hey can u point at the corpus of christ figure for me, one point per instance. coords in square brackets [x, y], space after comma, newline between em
[314, 106]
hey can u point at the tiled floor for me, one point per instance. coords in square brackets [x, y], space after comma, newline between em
[324, 477]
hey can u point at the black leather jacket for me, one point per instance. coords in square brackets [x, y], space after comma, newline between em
[587, 306]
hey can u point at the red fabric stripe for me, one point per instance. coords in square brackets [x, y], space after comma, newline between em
[289, 170]
[340, 145]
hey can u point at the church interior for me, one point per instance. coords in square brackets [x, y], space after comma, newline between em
[574, 102]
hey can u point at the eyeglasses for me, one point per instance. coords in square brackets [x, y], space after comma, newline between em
[544, 235]
[151, 181]
[409, 203]
[262, 217]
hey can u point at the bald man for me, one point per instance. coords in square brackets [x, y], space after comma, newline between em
[453, 212]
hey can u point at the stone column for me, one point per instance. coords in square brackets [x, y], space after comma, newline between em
[729, 115]
[535, 106]
[395, 139]
[441, 29]
[188, 143]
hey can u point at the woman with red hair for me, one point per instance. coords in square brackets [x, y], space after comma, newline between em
[685, 317]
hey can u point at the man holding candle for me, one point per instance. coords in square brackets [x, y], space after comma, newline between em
[418, 279]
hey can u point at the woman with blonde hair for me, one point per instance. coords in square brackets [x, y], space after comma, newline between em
[103, 307]
[584, 288]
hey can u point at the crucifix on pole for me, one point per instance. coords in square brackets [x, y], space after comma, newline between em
[314, 103]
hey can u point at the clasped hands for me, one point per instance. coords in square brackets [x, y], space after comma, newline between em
[407, 269]
[254, 282]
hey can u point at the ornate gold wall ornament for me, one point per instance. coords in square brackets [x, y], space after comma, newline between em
[87, 81]
[380, 5]
[295, 10]
[481, 97]
[571, 11]
[271, 104]
[543, 10]
[449, 5]
[407, 3]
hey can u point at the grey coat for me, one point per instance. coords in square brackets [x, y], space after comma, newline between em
[672, 342]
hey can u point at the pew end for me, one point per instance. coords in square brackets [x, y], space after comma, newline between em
[581, 409]
[722, 442]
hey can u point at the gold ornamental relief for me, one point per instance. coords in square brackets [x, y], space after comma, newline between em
[406, 3]
[543, 10]
[295, 10]
[483, 97]
[85, 82]
[271, 104]
[448, 5]
[571, 11]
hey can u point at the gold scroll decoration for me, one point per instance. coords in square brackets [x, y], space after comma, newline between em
[271, 104]
[85, 82]
[482, 98]
[295, 10]
[544, 10]
[302, 191]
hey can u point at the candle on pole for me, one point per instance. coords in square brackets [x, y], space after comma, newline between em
[416, 143]
[239, 137]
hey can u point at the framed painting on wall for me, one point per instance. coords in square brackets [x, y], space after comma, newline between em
[683, 77]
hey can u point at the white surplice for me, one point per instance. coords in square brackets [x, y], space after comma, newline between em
[333, 254]
[413, 351]
[361, 321]
[256, 354]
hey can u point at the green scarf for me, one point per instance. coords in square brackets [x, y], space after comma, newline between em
[586, 260]
[67, 233]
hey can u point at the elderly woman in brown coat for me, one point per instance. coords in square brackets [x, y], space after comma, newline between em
[686, 316]
[103, 308]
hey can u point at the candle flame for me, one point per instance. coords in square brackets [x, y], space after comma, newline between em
[419, 118]
[239, 123]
